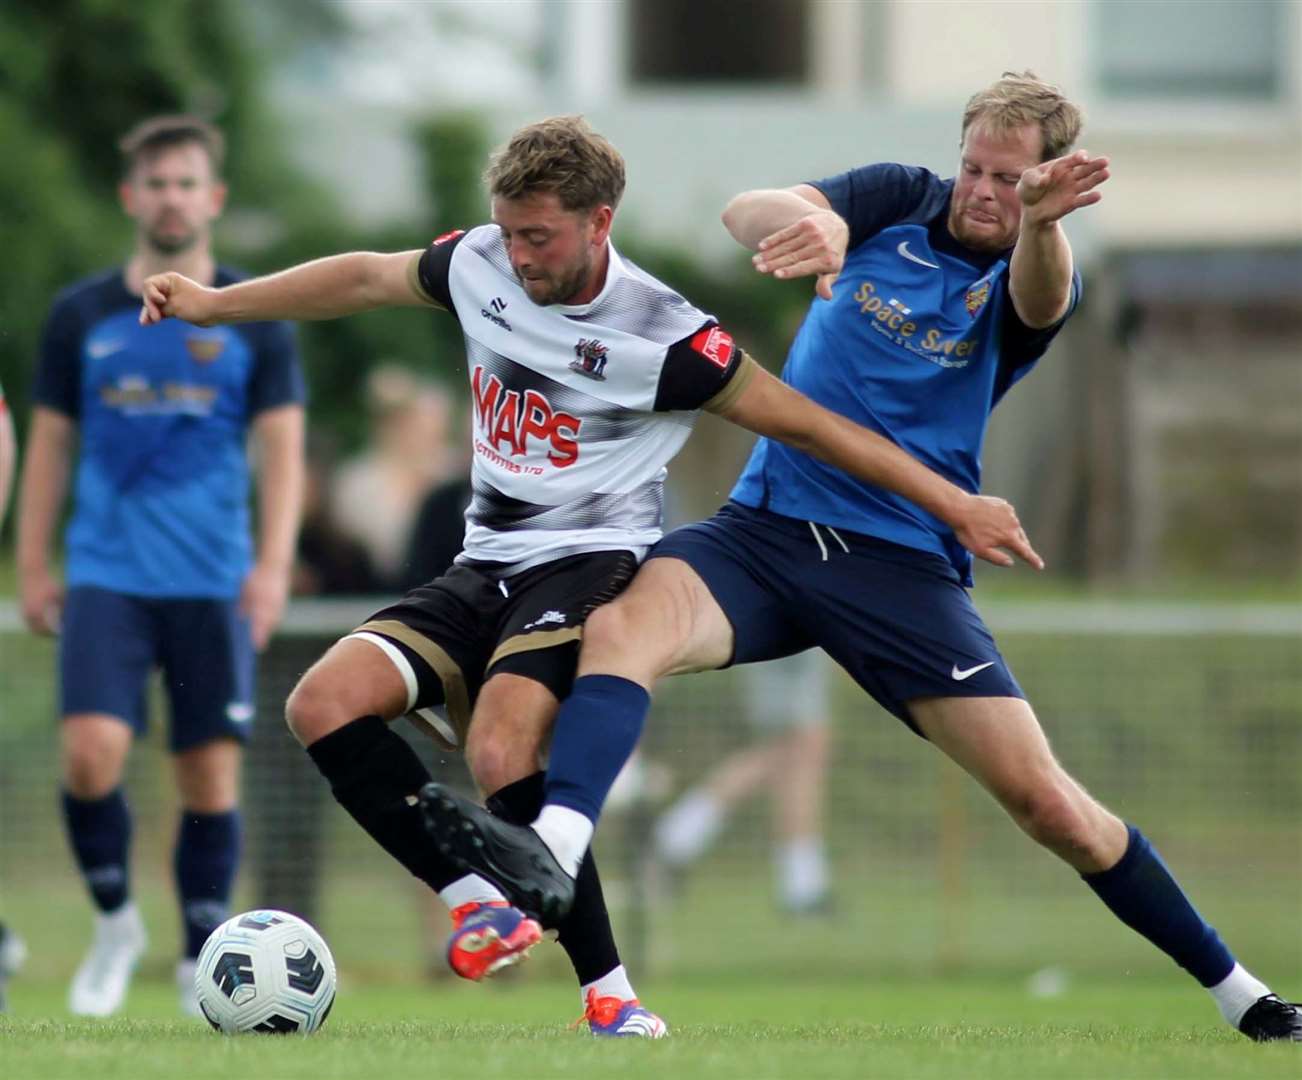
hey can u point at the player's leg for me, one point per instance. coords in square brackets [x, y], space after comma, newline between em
[513, 718]
[105, 654]
[206, 854]
[785, 703]
[1000, 742]
[671, 619]
[771, 703]
[207, 659]
[340, 711]
[798, 791]
[908, 633]
[531, 667]
[596, 730]
[416, 655]
[685, 831]
[13, 954]
[789, 699]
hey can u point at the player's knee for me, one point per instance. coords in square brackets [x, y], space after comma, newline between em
[312, 712]
[616, 636]
[495, 758]
[606, 628]
[90, 769]
[1053, 814]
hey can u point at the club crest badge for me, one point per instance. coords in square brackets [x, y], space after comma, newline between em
[716, 345]
[204, 349]
[589, 358]
[976, 297]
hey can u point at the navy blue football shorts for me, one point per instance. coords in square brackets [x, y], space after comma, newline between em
[896, 618]
[111, 642]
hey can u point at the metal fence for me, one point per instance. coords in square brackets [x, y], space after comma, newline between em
[1186, 720]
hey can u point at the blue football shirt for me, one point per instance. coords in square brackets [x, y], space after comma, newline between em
[161, 502]
[919, 342]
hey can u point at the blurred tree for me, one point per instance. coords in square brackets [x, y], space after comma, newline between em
[76, 74]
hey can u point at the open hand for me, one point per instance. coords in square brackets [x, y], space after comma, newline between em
[42, 601]
[262, 601]
[176, 296]
[1054, 189]
[815, 244]
[988, 527]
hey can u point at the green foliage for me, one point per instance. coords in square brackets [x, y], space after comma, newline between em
[76, 74]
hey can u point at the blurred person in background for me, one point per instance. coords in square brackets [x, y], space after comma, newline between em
[933, 298]
[587, 374]
[13, 951]
[786, 706]
[375, 496]
[160, 567]
[439, 532]
[328, 561]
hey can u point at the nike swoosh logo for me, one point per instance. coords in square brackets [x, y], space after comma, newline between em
[903, 249]
[959, 676]
[100, 349]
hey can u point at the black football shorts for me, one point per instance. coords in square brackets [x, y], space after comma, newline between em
[449, 636]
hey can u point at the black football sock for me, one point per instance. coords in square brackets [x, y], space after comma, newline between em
[375, 777]
[100, 833]
[585, 933]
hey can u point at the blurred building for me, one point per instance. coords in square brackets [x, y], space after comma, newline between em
[1168, 431]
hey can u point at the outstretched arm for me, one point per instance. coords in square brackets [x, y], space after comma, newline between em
[1040, 272]
[986, 526]
[794, 232]
[322, 289]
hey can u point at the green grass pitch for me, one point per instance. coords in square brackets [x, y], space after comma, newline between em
[975, 1027]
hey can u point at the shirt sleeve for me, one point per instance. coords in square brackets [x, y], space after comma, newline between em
[434, 267]
[1021, 345]
[874, 196]
[277, 374]
[699, 369]
[58, 372]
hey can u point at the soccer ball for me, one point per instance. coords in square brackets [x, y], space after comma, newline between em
[265, 971]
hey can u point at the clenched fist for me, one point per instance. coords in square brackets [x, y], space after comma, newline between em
[174, 295]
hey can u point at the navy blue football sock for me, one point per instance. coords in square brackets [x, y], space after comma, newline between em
[206, 858]
[596, 730]
[584, 933]
[1141, 892]
[100, 833]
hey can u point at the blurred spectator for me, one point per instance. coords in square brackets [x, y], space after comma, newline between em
[438, 533]
[375, 496]
[329, 562]
[786, 702]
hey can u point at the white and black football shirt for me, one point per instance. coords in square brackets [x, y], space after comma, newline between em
[577, 409]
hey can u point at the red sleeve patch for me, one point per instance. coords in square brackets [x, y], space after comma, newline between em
[448, 236]
[715, 344]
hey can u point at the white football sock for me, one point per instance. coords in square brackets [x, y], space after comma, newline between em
[567, 834]
[1236, 993]
[688, 827]
[612, 984]
[471, 889]
[802, 871]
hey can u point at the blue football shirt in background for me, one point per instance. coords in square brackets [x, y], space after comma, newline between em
[161, 502]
